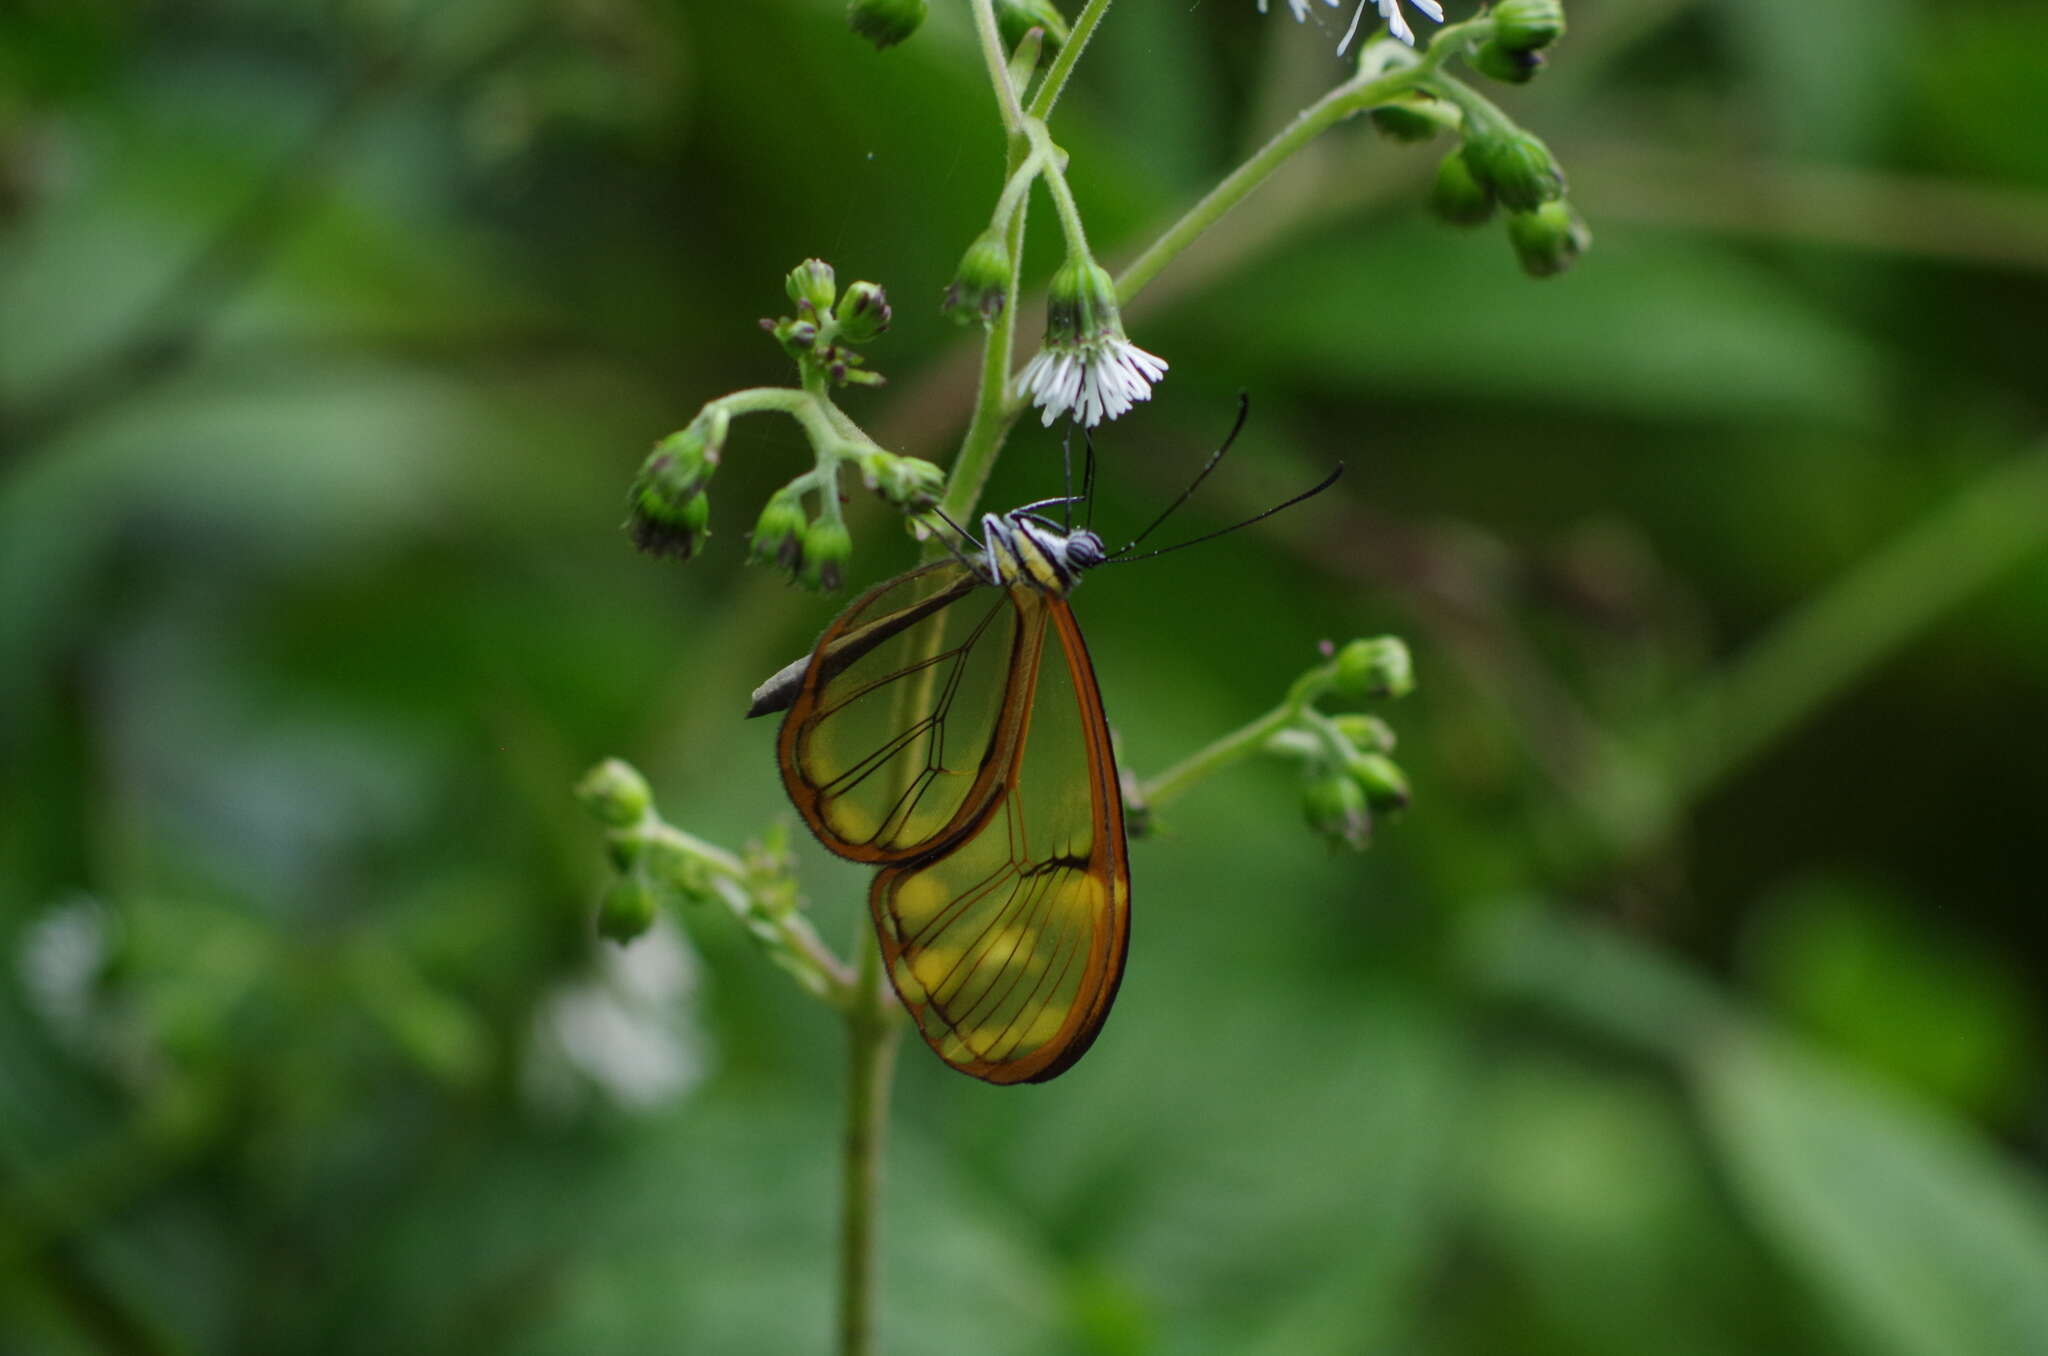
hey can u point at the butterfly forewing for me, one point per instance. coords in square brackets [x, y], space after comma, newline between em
[1007, 942]
[905, 724]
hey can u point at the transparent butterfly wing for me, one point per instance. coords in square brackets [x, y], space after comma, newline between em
[1006, 943]
[904, 724]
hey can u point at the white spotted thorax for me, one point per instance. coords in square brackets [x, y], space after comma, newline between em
[1023, 549]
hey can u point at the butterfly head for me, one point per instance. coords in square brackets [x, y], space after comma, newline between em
[1025, 548]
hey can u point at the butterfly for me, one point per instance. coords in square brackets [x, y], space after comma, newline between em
[948, 729]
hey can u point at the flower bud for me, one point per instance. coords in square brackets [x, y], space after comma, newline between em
[615, 794]
[1414, 117]
[778, 533]
[1375, 668]
[1517, 167]
[1369, 734]
[1381, 779]
[1336, 808]
[1525, 25]
[1507, 65]
[1457, 196]
[863, 313]
[1548, 240]
[627, 910]
[907, 481]
[667, 514]
[981, 285]
[1015, 18]
[885, 22]
[1080, 305]
[827, 547]
[812, 284]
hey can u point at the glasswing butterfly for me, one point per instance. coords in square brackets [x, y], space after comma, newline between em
[948, 729]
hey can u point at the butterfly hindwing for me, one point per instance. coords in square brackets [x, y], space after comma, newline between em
[1007, 941]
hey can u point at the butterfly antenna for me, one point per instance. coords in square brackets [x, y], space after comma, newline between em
[1088, 475]
[964, 535]
[1067, 467]
[1244, 408]
[1326, 482]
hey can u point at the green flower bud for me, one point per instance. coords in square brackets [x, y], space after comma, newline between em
[667, 512]
[1457, 196]
[827, 547]
[1506, 65]
[1015, 18]
[907, 481]
[885, 22]
[1415, 117]
[863, 313]
[1336, 808]
[1548, 240]
[778, 533]
[627, 910]
[1375, 668]
[1080, 306]
[1367, 733]
[981, 285]
[1525, 25]
[1517, 167]
[1384, 784]
[812, 284]
[615, 794]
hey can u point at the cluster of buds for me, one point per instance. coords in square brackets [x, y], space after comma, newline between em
[1507, 167]
[655, 863]
[813, 552]
[1348, 774]
[668, 512]
[828, 322]
[1521, 30]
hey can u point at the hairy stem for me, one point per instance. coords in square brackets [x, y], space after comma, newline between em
[998, 64]
[1055, 80]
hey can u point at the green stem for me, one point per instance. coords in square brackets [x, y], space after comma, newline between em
[992, 413]
[1234, 747]
[1810, 657]
[872, 1033]
[998, 65]
[1353, 96]
[1055, 81]
[1062, 195]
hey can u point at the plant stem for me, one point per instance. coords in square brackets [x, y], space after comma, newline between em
[1233, 747]
[1806, 660]
[1353, 96]
[998, 65]
[1078, 38]
[872, 1031]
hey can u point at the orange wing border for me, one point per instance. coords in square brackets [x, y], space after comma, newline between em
[1109, 863]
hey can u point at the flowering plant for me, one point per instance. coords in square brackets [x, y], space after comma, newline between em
[1086, 370]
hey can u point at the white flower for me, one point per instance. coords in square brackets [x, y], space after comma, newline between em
[1088, 368]
[1093, 382]
[1390, 10]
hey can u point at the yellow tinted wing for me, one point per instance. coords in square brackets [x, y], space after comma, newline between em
[896, 739]
[1007, 943]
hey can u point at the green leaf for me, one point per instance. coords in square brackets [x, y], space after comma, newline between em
[1919, 1235]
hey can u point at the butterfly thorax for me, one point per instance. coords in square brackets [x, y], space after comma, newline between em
[1025, 549]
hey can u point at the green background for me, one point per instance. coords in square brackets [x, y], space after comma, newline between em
[1694, 1007]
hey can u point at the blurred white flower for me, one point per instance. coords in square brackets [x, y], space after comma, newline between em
[1389, 10]
[627, 1033]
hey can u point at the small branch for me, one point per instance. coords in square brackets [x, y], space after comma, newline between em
[1234, 747]
[991, 39]
[1055, 81]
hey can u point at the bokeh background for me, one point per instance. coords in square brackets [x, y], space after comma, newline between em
[1695, 1007]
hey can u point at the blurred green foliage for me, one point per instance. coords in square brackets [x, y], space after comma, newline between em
[330, 334]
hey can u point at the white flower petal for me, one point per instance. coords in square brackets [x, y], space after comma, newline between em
[1094, 383]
